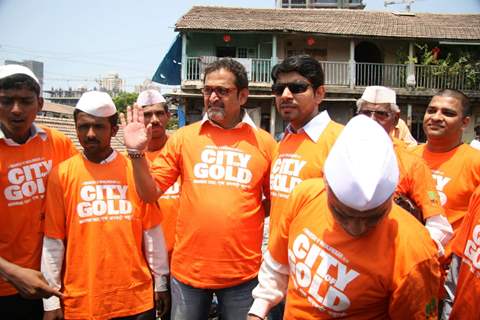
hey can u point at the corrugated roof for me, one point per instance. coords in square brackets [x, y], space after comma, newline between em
[335, 22]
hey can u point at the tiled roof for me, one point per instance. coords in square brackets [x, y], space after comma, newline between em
[334, 22]
[58, 108]
[67, 126]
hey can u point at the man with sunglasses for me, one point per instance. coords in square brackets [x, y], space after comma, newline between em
[343, 248]
[416, 189]
[224, 163]
[298, 87]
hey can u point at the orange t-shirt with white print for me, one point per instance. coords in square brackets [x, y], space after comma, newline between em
[169, 204]
[416, 181]
[296, 158]
[457, 174]
[95, 209]
[219, 226]
[390, 273]
[466, 245]
[23, 180]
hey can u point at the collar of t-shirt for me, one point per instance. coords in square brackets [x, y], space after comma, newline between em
[109, 159]
[34, 131]
[314, 128]
[245, 120]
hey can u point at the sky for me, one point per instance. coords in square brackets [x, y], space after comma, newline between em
[81, 41]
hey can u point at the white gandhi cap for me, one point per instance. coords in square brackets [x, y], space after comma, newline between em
[96, 103]
[13, 69]
[379, 94]
[149, 97]
[361, 168]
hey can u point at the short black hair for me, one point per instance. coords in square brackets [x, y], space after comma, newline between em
[20, 81]
[235, 67]
[305, 65]
[113, 119]
[460, 96]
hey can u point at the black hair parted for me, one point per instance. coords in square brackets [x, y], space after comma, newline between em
[305, 65]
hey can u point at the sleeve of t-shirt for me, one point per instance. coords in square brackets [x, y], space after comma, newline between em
[462, 234]
[424, 191]
[55, 217]
[166, 167]
[415, 295]
[152, 215]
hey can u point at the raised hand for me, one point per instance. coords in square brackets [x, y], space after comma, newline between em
[136, 134]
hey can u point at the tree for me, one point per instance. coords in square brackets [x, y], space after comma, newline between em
[124, 99]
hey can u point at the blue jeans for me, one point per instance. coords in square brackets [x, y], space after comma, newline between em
[189, 303]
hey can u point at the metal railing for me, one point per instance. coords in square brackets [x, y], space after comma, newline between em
[338, 73]
[439, 77]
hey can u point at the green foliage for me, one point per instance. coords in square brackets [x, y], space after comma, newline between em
[124, 99]
[172, 123]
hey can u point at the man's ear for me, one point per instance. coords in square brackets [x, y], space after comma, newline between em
[40, 104]
[465, 122]
[243, 96]
[319, 94]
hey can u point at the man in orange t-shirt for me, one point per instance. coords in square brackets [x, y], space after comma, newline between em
[300, 155]
[28, 152]
[156, 113]
[223, 162]
[462, 285]
[416, 183]
[343, 248]
[455, 166]
[102, 244]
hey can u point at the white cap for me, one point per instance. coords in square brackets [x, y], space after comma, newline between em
[149, 97]
[13, 69]
[379, 94]
[97, 104]
[361, 168]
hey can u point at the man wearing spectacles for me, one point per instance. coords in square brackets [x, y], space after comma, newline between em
[416, 189]
[298, 87]
[223, 162]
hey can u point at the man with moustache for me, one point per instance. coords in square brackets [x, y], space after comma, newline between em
[103, 245]
[223, 162]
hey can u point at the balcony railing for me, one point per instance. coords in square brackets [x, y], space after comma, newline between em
[338, 73]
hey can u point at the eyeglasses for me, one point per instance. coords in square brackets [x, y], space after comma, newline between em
[293, 87]
[378, 114]
[219, 91]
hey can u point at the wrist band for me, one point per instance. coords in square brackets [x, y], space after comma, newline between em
[136, 155]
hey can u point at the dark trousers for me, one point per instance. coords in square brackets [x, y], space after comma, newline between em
[15, 307]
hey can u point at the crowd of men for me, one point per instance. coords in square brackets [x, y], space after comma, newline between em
[364, 223]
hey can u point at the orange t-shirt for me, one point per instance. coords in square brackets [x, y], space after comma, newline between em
[169, 203]
[96, 210]
[220, 220]
[296, 158]
[457, 174]
[23, 180]
[416, 181]
[466, 245]
[390, 273]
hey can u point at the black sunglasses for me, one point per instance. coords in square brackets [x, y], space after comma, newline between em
[293, 87]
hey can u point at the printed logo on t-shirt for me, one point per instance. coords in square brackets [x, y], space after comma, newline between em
[320, 273]
[441, 181]
[285, 174]
[472, 251]
[103, 200]
[26, 181]
[173, 192]
[223, 166]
